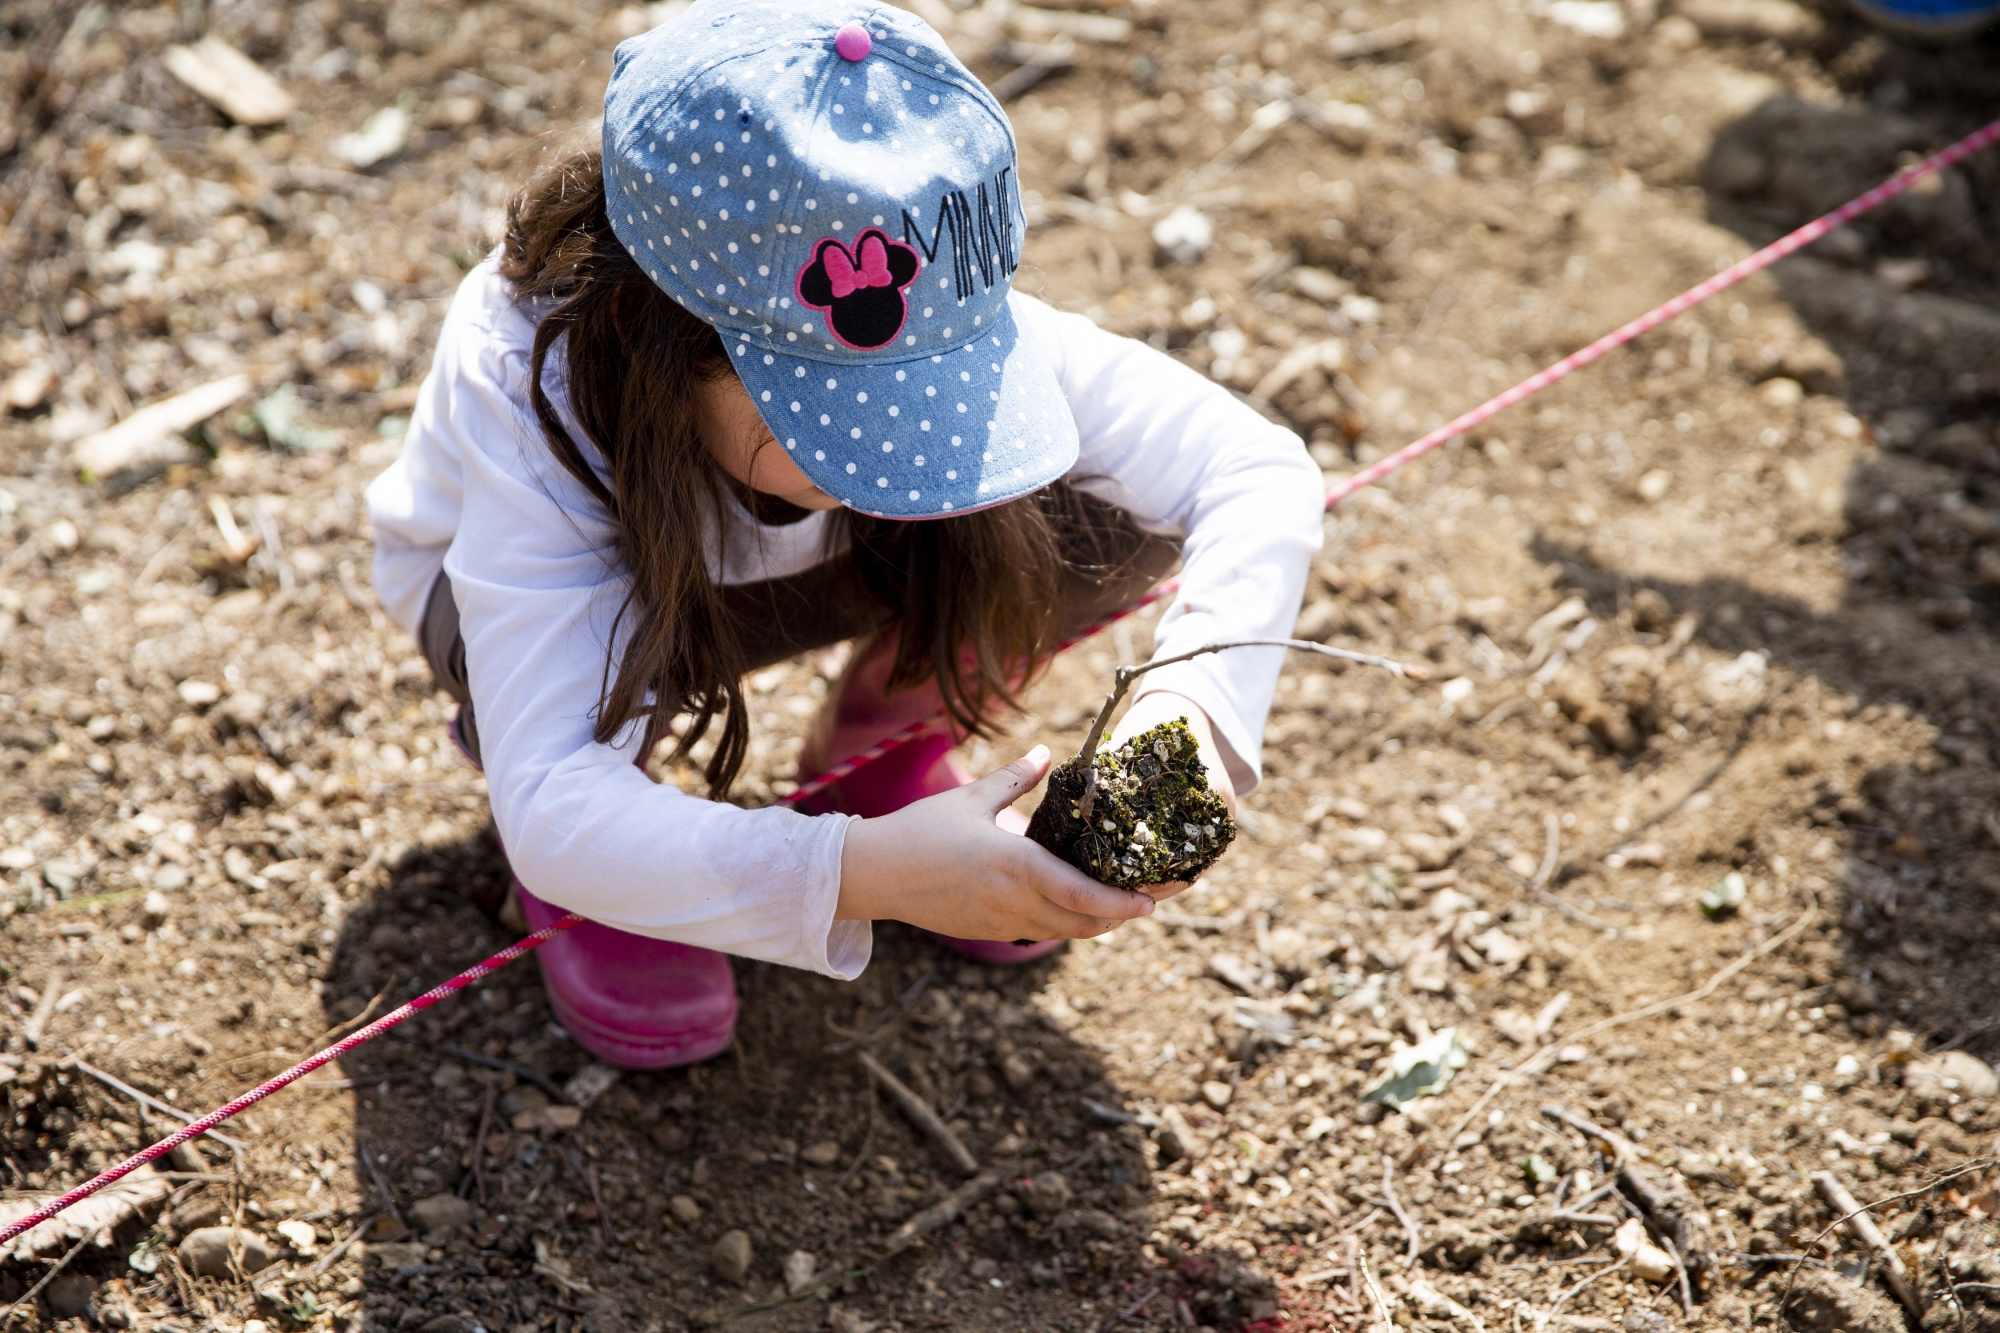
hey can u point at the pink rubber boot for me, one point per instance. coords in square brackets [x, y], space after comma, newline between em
[861, 713]
[630, 1000]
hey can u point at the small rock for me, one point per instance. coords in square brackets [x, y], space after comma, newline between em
[1753, 20]
[1653, 485]
[589, 1083]
[547, 1118]
[684, 1209]
[731, 1257]
[1045, 1195]
[1825, 1303]
[524, 1097]
[1649, 1261]
[1096, 1222]
[1217, 1094]
[382, 136]
[1782, 391]
[799, 1268]
[389, 940]
[153, 910]
[1018, 1069]
[1953, 1071]
[444, 1323]
[1176, 1137]
[1184, 235]
[206, 1253]
[847, 1321]
[447, 1076]
[69, 1295]
[198, 693]
[300, 1236]
[441, 1212]
[824, 1153]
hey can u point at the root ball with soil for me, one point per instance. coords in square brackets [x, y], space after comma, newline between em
[1144, 813]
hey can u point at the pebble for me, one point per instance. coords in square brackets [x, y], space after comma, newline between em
[1046, 1194]
[684, 1209]
[799, 1267]
[589, 1083]
[153, 910]
[731, 1257]
[1184, 235]
[1217, 1094]
[300, 1236]
[441, 1212]
[1649, 1261]
[824, 1153]
[389, 939]
[1019, 1070]
[206, 1252]
[69, 1295]
[1953, 1071]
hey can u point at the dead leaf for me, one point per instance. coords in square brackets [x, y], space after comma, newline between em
[93, 1217]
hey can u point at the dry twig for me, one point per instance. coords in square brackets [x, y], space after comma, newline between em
[332, 1256]
[1396, 1207]
[1863, 1226]
[942, 1213]
[922, 1115]
[27, 1297]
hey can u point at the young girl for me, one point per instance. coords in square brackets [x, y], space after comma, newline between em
[753, 381]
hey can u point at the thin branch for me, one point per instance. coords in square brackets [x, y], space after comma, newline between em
[1543, 1321]
[1976, 1164]
[1864, 1229]
[332, 1256]
[7, 1317]
[1125, 675]
[1538, 887]
[388, 1198]
[1396, 1207]
[921, 1113]
[234, 1145]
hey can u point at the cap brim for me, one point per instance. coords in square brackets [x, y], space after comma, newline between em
[924, 438]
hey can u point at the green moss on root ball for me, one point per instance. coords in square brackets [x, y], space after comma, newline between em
[1154, 818]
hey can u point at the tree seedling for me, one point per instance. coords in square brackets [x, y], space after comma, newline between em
[1144, 813]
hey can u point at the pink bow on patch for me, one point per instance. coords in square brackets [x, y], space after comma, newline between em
[874, 271]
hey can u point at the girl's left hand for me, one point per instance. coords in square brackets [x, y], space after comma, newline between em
[1149, 711]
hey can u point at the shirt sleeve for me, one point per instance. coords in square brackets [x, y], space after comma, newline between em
[1186, 459]
[539, 586]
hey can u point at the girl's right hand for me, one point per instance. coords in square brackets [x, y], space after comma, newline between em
[943, 865]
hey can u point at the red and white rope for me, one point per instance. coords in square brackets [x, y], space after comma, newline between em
[1898, 184]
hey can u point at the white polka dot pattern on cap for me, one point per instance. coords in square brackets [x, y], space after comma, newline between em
[798, 152]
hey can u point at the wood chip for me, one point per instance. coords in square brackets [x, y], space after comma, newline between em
[235, 83]
[152, 434]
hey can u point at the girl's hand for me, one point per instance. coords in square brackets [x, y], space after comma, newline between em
[944, 865]
[1149, 711]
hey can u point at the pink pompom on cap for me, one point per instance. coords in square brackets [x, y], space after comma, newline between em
[853, 42]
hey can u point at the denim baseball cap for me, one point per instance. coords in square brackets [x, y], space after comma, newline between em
[828, 186]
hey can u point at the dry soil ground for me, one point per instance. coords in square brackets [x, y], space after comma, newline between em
[1725, 603]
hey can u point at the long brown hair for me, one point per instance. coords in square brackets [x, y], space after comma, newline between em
[976, 597]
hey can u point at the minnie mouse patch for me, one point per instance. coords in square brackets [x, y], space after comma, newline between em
[860, 290]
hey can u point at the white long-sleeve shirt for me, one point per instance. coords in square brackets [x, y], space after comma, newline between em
[478, 493]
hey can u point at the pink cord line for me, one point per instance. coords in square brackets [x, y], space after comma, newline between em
[1898, 184]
